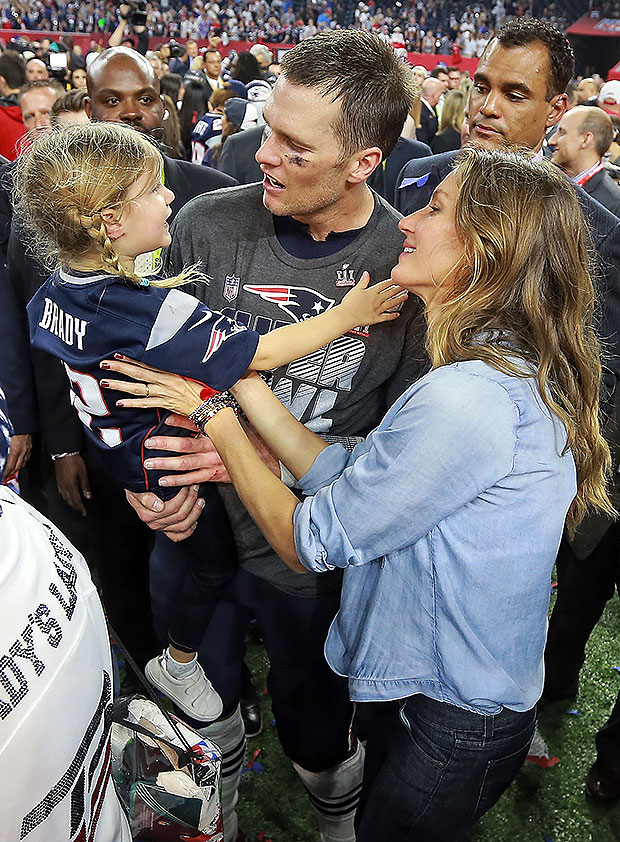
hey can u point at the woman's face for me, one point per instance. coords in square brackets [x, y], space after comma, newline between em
[432, 252]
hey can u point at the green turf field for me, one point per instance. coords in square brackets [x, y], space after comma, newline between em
[542, 805]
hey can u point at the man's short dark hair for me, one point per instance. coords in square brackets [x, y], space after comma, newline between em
[74, 101]
[12, 69]
[439, 68]
[522, 32]
[41, 83]
[374, 86]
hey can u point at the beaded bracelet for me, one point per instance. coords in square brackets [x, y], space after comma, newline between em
[205, 412]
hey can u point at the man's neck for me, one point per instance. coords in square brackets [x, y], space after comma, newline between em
[581, 164]
[352, 212]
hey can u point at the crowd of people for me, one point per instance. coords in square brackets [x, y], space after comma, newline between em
[364, 457]
[429, 27]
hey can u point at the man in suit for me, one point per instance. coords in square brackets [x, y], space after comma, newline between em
[123, 88]
[239, 155]
[432, 90]
[583, 137]
[513, 101]
[587, 92]
[518, 94]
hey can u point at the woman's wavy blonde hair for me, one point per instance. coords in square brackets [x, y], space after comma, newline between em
[67, 176]
[524, 291]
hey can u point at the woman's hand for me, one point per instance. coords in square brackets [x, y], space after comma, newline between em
[154, 388]
[369, 305]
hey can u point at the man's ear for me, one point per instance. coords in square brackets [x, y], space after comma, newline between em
[88, 108]
[112, 220]
[558, 105]
[364, 163]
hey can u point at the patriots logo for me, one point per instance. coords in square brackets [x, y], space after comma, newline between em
[300, 303]
[221, 331]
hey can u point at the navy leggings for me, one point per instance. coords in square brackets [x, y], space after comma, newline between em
[210, 565]
[310, 703]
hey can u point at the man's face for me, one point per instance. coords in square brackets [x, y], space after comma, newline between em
[78, 78]
[213, 65]
[585, 90]
[191, 49]
[508, 100]
[301, 157]
[567, 142]
[36, 107]
[122, 91]
[445, 80]
[36, 71]
[454, 79]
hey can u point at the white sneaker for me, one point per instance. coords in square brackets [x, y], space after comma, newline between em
[194, 694]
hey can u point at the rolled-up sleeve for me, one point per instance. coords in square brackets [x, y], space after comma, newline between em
[446, 441]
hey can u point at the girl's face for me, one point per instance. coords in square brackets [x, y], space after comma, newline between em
[141, 226]
[432, 252]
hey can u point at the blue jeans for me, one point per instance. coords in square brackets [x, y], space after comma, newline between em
[432, 769]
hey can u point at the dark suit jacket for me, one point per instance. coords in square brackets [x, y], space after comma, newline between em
[61, 428]
[428, 125]
[604, 189]
[237, 157]
[383, 179]
[429, 172]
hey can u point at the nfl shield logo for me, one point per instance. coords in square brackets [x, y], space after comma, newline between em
[231, 287]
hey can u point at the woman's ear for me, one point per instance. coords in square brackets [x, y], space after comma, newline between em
[112, 220]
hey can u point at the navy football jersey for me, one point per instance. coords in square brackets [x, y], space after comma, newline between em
[84, 318]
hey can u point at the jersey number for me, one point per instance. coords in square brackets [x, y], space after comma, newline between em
[89, 403]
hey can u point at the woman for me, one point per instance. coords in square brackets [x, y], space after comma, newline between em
[447, 518]
[448, 137]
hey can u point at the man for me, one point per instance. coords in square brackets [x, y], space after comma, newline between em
[518, 94]
[181, 65]
[441, 74]
[36, 70]
[275, 253]
[454, 78]
[56, 689]
[12, 77]
[36, 100]
[513, 102]
[432, 89]
[264, 57]
[587, 92]
[123, 88]
[212, 66]
[583, 137]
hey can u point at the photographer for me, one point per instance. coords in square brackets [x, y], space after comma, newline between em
[133, 16]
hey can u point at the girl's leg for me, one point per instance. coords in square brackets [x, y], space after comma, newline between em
[445, 767]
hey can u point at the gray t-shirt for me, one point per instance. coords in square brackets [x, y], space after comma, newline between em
[342, 390]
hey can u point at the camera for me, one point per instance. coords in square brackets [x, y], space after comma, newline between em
[176, 50]
[137, 12]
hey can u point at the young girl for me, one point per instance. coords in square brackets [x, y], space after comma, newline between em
[94, 197]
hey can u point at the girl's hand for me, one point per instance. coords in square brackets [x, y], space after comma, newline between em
[154, 388]
[371, 305]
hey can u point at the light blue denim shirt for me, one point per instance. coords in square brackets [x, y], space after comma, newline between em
[447, 520]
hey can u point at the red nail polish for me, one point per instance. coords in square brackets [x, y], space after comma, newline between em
[119, 357]
[105, 384]
[104, 365]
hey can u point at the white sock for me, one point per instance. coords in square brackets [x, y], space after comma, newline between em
[177, 669]
[229, 735]
[334, 794]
